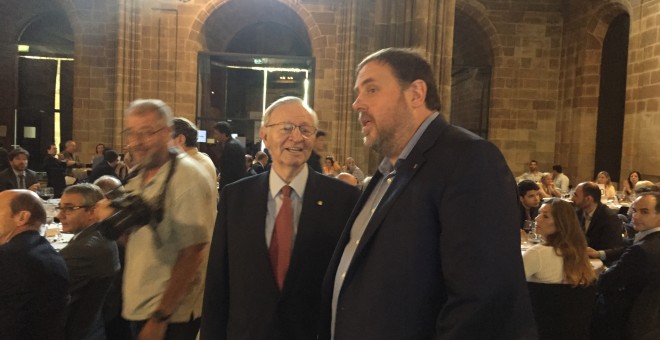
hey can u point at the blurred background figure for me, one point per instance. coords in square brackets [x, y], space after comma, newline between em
[260, 162]
[629, 185]
[348, 178]
[547, 188]
[55, 171]
[106, 167]
[353, 169]
[98, 154]
[561, 181]
[330, 167]
[320, 147]
[609, 192]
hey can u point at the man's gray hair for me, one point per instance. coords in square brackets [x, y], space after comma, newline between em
[144, 106]
[89, 192]
[288, 100]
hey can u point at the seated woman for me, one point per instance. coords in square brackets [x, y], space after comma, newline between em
[562, 257]
[629, 185]
[604, 178]
[331, 168]
[547, 187]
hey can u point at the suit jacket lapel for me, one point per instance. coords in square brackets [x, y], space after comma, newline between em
[405, 171]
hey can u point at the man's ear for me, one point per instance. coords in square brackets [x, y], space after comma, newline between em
[22, 217]
[418, 91]
[264, 136]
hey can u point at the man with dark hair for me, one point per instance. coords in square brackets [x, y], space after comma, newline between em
[320, 146]
[274, 237]
[410, 262]
[231, 161]
[34, 284]
[601, 225]
[561, 181]
[533, 175]
[185, 138]
[91, 259]
[629, 291]
[529, 200]
[18, 176]
[106, 167]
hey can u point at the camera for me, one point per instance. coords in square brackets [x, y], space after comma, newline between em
[131, 211]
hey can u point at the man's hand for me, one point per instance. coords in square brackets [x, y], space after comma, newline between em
[593, 253]
[34, 187]
[153, 330]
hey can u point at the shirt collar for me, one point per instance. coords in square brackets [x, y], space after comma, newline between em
[640, 235]
[386, 167]
[298, 183]
[18, 173]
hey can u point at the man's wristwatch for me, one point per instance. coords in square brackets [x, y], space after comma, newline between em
[159, 316]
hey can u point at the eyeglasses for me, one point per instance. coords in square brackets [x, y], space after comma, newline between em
[287, 129]
[141, 135]
[69, 210]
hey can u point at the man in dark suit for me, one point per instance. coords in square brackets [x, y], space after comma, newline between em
[18, 176]
[602, 226]
[639, 266]
[265, 272]
[106, 167]
[91, 259]
[431, 250]
[231, 162]
[55, 171]
[34, 281]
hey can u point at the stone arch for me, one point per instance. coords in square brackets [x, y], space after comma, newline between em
[196, 37]
[477, 12]
[587, 86]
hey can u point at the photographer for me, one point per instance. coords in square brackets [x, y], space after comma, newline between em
[166, 258]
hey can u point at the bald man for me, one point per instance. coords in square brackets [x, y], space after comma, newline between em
[30, 309]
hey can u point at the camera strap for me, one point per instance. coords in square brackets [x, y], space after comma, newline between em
[160, 211]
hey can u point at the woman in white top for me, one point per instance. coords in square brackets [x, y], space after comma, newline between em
[562, 257]
[604, 178]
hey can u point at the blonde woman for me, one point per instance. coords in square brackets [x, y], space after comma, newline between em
[562, 257]
[609, 192]
[547, 187]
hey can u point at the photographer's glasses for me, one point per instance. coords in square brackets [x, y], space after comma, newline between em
[287, 129]
[68, 210]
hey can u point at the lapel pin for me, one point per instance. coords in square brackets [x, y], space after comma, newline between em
[319, 203]
[389, 180]
[415, 166]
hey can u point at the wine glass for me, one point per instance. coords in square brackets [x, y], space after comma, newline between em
[533, 236]
[48, 192]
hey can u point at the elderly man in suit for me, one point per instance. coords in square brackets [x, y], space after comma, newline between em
[274, 236]
[91, 259]
[34, 281]
[431, 250]
[600, 224]
[18, 176]
[638, 268]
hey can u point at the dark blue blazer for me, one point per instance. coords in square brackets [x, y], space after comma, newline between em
[604, 229]
[242, 300]
[34, 289]
[440, 257]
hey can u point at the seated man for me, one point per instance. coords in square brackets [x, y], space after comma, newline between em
[600, 224]
[33, 281]
[111, 187]
[105, 167]
[18, 176]
[619, 286]
[91, 259]
[533, 175]
[529, 201]
[561, 181]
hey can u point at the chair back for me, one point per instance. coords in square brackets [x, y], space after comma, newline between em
[644, 320]
[561, 311]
